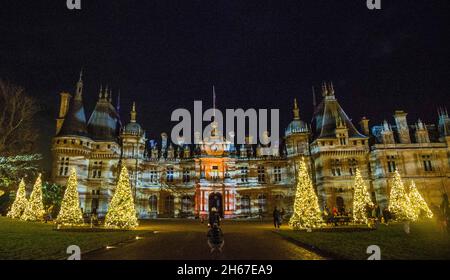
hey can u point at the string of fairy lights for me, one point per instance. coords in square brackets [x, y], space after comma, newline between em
[361, 200]
[404, 205]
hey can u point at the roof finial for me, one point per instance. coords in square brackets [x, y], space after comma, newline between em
[106, 93]
[314, 97]
[133, 113]
[100, 94]
[324, 89]
[110, 96]
[214, 102]
[118, 102]
[331, 90]
[296, 110]
[79, 88]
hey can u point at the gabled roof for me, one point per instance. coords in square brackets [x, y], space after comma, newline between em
[327, 116]
[104, 123]
[75, 120]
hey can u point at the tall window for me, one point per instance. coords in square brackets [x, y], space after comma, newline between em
[153, 175]
[336, 167]
[244, 174]
[277, 174]
[97, 169]
[353, 165]
[245, 204]
[392, 166]
[153, 203]
[427, 163]
[186, 175]
[215, 173]
[261, 174]
[169, 176]
[64, 166]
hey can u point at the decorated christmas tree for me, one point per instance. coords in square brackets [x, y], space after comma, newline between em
[34, 211]
[307, 214]
[399, 203]
[361, 199]
[121, 211]
[19, 203]
[417, 201]
[70, 213]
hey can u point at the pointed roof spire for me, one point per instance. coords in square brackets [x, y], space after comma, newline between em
[214, 102]
[133, 113]
[100, 94]
[79, 87]
[314, 97]
[296, 110]
[324, 89]
[118, 102]
[331, 89]
[110, 96]
[105, 94]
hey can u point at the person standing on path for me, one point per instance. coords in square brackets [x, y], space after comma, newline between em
[276, 218]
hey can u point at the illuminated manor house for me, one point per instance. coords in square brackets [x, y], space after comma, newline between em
[171, 180]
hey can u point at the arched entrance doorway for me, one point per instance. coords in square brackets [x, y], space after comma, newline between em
[169, 205]
[153, 206]
[215, 201]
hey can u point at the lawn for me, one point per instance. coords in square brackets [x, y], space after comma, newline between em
[424, 242]
[27, 240]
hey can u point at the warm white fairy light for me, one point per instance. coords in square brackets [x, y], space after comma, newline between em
[399, 203]
[361, 199]
[70, 213]
[418, 203]
[307, 213]
[20, 202]
[34, 211]
[121, 211]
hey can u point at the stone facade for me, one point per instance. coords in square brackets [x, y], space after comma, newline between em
[171, 180]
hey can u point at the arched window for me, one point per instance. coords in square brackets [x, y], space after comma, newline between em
[153, 203]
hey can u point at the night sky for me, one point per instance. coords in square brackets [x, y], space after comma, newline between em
[258, 54]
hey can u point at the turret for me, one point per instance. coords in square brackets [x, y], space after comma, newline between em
[297, 134]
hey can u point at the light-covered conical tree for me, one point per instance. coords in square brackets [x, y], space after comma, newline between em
[361, 199]
[20, 202]
[34, 211]
[418, 203]
[399, 203]
[307, 214]
[121, 211]
[70, 213]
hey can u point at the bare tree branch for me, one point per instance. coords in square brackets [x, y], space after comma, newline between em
[17, 130]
